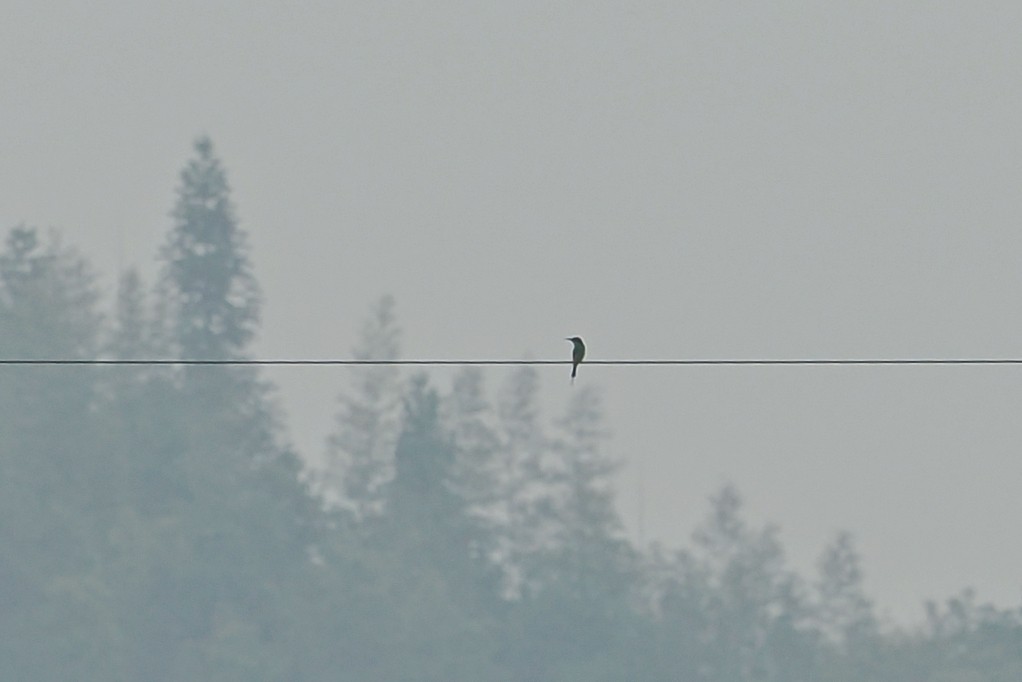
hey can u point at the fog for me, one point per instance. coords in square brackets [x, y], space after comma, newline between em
[668, 181]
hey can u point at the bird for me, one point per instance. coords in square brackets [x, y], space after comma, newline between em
[578, 352]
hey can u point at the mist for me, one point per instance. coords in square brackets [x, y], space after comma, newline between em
[460, 182]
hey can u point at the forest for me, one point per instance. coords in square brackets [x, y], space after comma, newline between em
[156, 524]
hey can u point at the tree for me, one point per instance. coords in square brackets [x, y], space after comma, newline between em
[524, 492]
[475, 472]
[427, 516]
[218, 523]
[136, 332]
[48, 310]
[596, 558]
[47, 299]
[360, 453]
[58, 487]
[966, 641]
[207, 276]
[370, 611]
[574, 606]
[749, 608]
[843, 613]
[420, 493]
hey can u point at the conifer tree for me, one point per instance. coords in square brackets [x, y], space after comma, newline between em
[139, 329]
[428, 516]
[360, 452]
[129, 333]
[224, 520]
[56, 485]
[586, 470]
[47, 299]
[469, 418]
[421, 493]
[576, 573]
[524, 492]
[207, 276]
[752, 606]
[843, 612]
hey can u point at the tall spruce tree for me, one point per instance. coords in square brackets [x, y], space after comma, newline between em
[207, 274]
[224, 521]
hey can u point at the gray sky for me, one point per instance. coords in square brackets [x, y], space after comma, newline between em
[667, 180]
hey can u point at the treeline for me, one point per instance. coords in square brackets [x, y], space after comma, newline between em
[156, 525]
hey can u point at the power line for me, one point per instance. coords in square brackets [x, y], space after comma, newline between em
[439, 362]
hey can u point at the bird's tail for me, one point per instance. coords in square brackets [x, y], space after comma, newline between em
[574, 368]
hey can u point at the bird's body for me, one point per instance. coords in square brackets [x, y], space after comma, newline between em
[578, 353]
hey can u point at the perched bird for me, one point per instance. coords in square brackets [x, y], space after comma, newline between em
[578, 352]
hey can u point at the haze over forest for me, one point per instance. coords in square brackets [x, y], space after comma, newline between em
[157, 525]
[472, 181]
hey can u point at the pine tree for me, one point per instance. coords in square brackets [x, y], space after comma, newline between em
[844, 613]
[575, 596]
[47, 310]
[475, 476]
[525, 490]
[360, 453]
[57, 486]
[752, 608]
[587, 510]
[428, 519]
[594, 558]
[47, 299]
[222, 521]
[421, 493]
[207, 276]
[136, 332]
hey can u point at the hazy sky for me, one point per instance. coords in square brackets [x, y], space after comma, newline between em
[666, 179]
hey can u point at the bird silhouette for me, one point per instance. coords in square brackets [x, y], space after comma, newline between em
[578, 352]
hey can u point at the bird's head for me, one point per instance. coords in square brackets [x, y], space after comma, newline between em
[573, 339]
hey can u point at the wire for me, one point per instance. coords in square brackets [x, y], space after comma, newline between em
[341, 362]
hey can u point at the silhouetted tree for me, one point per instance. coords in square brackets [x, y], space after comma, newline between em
[220, 522]
[213, 297]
